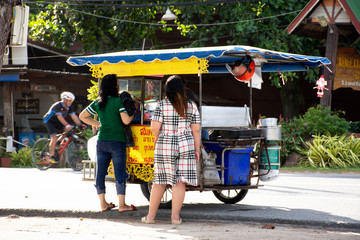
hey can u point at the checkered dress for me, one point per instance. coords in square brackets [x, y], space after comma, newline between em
[174, 158]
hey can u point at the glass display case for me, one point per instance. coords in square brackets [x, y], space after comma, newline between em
[146, 91]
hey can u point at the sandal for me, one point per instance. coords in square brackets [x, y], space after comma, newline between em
[176, 222]
[110, 206]
[147, 221]
[133, 208]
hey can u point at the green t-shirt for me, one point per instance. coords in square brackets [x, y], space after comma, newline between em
[112, 128]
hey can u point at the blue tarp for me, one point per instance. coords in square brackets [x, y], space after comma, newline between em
[272, 61]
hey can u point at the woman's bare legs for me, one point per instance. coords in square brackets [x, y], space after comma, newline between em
[156, 194]
[122, 205]
[178, 196]
[104, 205]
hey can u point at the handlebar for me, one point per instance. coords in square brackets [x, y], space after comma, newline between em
[80, 129]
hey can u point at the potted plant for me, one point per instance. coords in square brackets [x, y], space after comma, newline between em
[5, 157]
[21, 158]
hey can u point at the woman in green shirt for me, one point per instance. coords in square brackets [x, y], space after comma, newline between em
[111, 143]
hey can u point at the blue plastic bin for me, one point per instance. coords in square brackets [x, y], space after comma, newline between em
[236, 163]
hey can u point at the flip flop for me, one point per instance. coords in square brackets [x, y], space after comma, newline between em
[110, 206]
[147, 221]
[176, 222]
[133, 208]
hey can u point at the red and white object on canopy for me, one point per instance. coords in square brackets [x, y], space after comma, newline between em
[242, 72]
[321, 83]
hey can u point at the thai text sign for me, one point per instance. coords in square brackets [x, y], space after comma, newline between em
[143, 151]
[27, 106]
[347, 74]
[192, 65]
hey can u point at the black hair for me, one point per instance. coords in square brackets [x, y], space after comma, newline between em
[175, 92]
[108, 87]
[192, 97]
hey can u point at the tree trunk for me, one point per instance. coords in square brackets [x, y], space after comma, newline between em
[6, 8]
[292, 98]
[5, 20]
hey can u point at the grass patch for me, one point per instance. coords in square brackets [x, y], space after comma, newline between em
[320, 170]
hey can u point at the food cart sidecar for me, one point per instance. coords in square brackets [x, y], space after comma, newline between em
[234, 159]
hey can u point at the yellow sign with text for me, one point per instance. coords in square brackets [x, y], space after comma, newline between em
[140, 158]
[191, 65]
[143, 151]
[347, 74]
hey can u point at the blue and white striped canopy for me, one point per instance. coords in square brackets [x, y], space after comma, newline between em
[271, 61]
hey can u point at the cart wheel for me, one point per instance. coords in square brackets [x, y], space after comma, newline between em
[230, 196]
[167, 197]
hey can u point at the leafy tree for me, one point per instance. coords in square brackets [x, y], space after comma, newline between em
[255, 23]
[259, 23]
[94, 30]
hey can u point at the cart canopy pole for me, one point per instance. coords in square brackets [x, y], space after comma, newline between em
[200, 92]
[251, 103]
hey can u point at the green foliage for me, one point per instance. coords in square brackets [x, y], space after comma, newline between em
[93, 91]
[332, 151]
[87, 134]
[21, 158]
[3, 152]
[292, 135]
[97, 30]
[316, 121]
[355, 127]
[93, 94]
[321, 120]
[257, 23]
[298, 169]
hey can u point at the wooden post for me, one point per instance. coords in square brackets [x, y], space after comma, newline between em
[331, 49]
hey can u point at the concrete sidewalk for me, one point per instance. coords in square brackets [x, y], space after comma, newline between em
[63, 193]
[57, 189]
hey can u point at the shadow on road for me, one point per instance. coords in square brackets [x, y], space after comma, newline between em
[213, 213]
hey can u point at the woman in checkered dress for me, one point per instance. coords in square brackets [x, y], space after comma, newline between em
[176, 126]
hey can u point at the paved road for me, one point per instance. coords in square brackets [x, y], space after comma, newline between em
[39, 228]
[326, 201]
